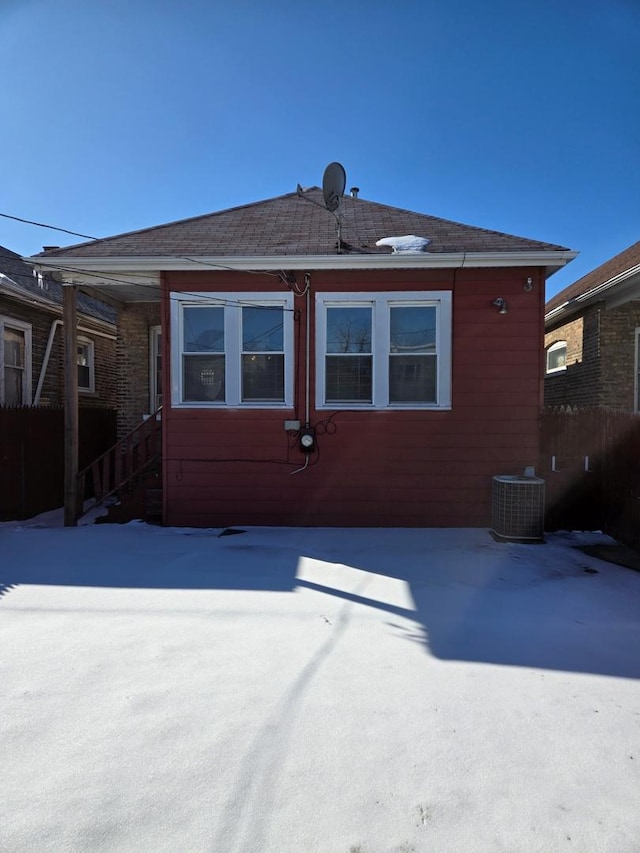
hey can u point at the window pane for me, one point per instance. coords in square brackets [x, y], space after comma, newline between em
[13, 378]
[413, 329]
[348, 379]
[84, 370]
[204, 329]
[263, 378]
[262, 330]
[14, 348]
[557, 357]
[412, 379]
[84, 376]
[203, 378]
[349, 329]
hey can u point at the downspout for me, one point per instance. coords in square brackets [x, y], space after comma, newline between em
[307, 378]
[45, 360]
[47, 352]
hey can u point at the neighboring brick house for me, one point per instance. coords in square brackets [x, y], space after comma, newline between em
[31, 354]
[139, 363]
[315, 376]
[592, 337]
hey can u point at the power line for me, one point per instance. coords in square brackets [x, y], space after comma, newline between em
[280, 274]
[49, 227]
[176, 295]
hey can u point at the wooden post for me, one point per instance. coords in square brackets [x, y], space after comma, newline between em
[70, 406]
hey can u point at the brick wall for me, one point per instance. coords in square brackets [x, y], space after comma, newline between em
[134, 323]
[617, 342]
[104, 357]
[52, 393]
[600, 358]
[581, 383]
[106, 378]
[40, 322]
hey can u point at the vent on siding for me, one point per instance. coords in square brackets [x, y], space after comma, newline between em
[518, 508]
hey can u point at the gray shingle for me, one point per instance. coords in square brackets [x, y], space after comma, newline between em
[296, 224]
[21, 275]
[620, 263]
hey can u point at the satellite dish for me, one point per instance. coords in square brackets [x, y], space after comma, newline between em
[334, 181]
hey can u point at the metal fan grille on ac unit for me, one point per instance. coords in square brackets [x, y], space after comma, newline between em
[518, 507]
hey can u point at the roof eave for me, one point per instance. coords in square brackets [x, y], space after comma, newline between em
[42, 303]
[11, 289]
[616, 291]
[551, 260]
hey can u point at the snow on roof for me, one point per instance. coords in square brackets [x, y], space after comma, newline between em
[410, 244]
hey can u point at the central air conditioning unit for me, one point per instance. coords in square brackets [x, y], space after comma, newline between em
[518, 508]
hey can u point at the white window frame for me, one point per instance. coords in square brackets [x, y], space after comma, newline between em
[233, 303]
[26, 329]
[554, 348]
[636, 376]
[91, 358]
[381, 303]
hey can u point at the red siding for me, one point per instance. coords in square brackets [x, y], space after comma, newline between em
[378, 468]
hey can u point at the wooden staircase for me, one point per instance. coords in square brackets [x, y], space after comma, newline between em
[130, 472]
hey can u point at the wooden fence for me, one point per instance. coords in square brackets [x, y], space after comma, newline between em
[591, 463]
[590, 460]
[32, 455]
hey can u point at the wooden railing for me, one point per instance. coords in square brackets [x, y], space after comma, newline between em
[118, 468]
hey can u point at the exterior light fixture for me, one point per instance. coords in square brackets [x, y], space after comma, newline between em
[307, 439]
[500, 304]
[528, 285]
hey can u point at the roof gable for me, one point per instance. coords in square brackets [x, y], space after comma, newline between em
[298, 224]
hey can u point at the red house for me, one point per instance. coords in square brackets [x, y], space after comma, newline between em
[412, 370]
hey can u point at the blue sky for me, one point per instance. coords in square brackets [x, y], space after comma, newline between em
[513, 115]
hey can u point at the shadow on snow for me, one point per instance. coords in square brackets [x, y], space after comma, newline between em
[456, 592]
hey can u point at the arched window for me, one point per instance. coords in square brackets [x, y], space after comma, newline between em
[557, 357]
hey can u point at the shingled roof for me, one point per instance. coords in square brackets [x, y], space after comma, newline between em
[18, 279]
[622, 263]
[298, 224]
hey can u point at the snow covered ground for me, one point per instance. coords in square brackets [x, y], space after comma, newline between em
[296, 690]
